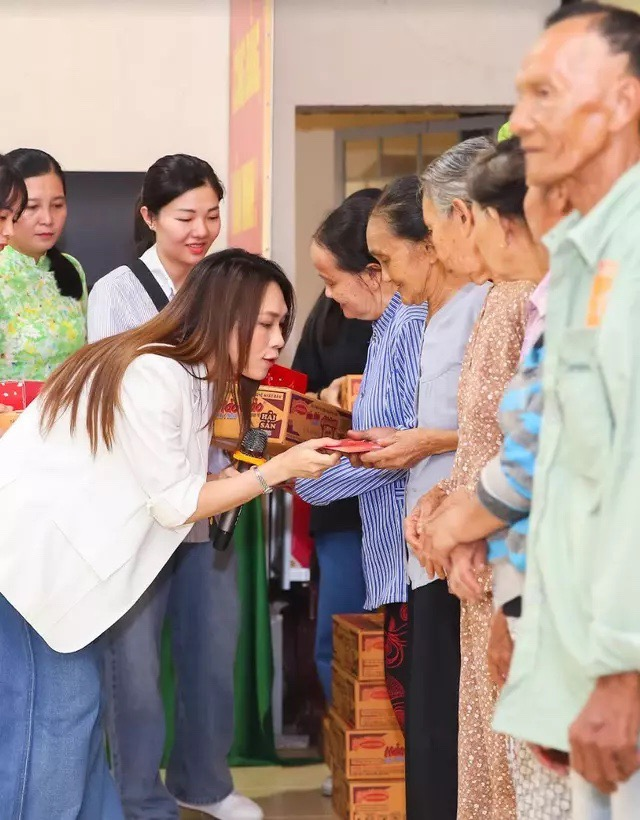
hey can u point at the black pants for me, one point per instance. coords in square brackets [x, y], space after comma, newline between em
[396, 667]
[433, 681]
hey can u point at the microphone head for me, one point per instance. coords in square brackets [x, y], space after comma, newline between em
[254, 443]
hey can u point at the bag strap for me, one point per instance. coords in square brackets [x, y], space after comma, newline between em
[150, 284]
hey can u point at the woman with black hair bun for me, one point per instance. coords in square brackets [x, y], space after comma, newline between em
[43, 292]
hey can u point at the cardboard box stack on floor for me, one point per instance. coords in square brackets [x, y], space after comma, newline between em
[365, 744]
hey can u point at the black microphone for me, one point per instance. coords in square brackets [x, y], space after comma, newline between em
[250, 454]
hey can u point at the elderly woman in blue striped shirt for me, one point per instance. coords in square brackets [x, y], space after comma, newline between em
[387, 400]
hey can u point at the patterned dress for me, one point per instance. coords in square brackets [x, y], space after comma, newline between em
[485, 788]
[39, 328]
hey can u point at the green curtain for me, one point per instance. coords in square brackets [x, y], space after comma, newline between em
[254, 743]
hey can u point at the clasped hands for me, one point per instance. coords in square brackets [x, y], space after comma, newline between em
[445, 537]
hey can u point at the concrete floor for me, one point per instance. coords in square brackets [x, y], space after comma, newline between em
[283, 792]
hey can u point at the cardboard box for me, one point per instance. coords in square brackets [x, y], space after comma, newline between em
[358, 646]
[326, 739]
[374, 800]
[366, 754]
[362, 704]
[7, 419]
[349, 391]
[289, 417]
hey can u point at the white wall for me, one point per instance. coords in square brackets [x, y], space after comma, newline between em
[387, 53]
[314, 180]
[114, 84]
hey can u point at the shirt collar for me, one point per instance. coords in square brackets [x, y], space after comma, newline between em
[590, 233]
[152, 261]
[381, 324]
[538, 299]
[28, 261]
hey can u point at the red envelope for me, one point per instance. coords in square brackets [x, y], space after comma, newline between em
[350, 446]
[284, 377]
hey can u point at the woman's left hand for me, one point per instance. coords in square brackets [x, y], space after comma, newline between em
[402, 449]
[374, 434]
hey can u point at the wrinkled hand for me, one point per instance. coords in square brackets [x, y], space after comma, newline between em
[331, 394]
[464, 574]
[500, 649]
[401, 451]
[411, 533]
[375, 434]
[414, 525]
[443, 530]
[604, 736]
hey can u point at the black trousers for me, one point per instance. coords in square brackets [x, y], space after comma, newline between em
[396, 667]
[433, 680]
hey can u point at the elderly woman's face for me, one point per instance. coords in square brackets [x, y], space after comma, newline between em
[402, 261]
[452, 238]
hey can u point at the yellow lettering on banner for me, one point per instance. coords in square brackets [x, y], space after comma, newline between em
[253, 61]
[244, 216]
[246, 67]
[238, 76]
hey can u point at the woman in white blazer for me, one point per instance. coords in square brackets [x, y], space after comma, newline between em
[100, 480]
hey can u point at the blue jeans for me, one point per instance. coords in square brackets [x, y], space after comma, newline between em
[52, 757]
[341, 591]
[590, 804]
[197, 591]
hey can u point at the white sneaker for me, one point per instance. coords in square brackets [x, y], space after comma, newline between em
[327, 787]
[233, 807]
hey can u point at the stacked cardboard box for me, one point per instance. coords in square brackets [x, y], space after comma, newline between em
[349, 392]
[365, 747]
[287, 416]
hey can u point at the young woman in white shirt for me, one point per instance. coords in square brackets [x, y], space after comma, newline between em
[177, 220]
[100, 480]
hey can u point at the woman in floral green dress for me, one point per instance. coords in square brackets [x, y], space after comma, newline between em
[43, 292]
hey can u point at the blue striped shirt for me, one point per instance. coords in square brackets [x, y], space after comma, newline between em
[387, 398]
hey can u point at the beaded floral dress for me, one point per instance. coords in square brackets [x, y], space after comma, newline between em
[485, 788]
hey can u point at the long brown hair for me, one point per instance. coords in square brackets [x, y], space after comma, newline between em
[222, 294]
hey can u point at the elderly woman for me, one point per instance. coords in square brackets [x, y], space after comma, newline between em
[490, 362]
[432, 657]
[510, 221]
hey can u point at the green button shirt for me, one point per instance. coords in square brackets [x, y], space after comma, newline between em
[39, 328]
[581, 617]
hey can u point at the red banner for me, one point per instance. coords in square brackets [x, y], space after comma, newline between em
[250, 125]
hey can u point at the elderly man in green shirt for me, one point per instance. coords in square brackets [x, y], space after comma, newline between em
[574, 683]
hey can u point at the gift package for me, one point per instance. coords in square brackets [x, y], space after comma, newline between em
[285, 411]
